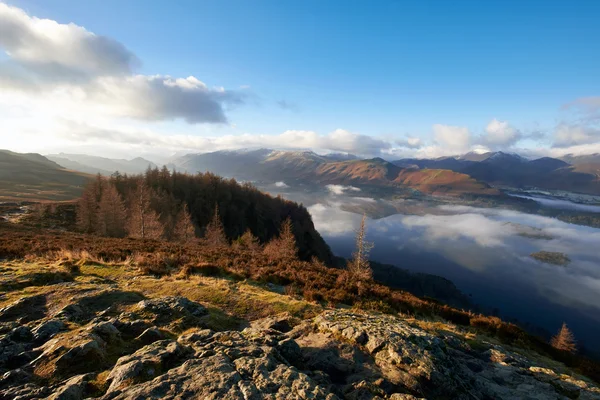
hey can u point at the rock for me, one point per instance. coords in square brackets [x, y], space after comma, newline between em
[27, 391]
[9, 350]
[25, 309]
[150, 335]
[72, 389]
[146, 363]
[21, 334]
[47, 330]
[172, 306]
[219, 377]
[290, 350]
[14, 377]
[281, 323]
[81, 358]
[72, 312]
[131, 328]
[106, 331]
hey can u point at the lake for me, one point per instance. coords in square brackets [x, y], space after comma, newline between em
[486, 253]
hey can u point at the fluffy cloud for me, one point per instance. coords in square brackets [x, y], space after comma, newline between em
[50, 48]
[500, 134]
[47, 58]
[410, 142]
[454, 138]
[566, 135]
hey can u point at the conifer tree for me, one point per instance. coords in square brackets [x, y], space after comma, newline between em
[359, 267]
[144, 222]
[214, 235]
[283, 247]
[248, 241]
[184, 230]
[88, 204]
[564, 340]
[111, 213]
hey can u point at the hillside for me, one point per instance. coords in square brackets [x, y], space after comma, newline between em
[33, 177]
[88, 317]
[503, 169]
[310, 168]
[101, 165]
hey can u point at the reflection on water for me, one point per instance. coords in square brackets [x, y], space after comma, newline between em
[485, 252]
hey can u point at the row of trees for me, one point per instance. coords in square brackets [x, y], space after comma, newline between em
[104, 211]
[177, 206]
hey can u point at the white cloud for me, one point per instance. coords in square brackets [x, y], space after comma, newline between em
[455, 138]
[50, 48]
[410, 142]
[500, 134]
[49, 60]
[281, 184]
[341, 189]
[566, 135]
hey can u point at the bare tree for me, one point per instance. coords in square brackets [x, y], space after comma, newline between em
[359, 267]
[185, 230]
[283, 246]
[111, 213]
[214, 235]
[564, 340]
[144, 222]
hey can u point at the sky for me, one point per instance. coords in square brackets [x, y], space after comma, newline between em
[387, 78]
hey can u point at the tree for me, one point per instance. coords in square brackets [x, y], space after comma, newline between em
[214, 235]
[283, 247]
[564, 340]
[111, 213]
[184, 230]
[144, 222]
[87, 206]
[359, 267]
[248, 242]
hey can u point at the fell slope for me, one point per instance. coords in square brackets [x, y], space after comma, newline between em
[310, 168]
[576, 174]
[34, 177]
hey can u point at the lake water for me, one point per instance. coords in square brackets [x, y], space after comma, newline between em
[486, 253]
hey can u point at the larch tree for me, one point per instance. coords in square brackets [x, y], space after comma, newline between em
[214, 234]
[359, 266]
[184, 230]
[88, 204]
[564, 340]
[111, 213]
[284, 246]
[144, 222]
[248, 242]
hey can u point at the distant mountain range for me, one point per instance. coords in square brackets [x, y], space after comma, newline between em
[101, 165]
[307, 167]
[468, 174]
[34, 177]
[571, 173]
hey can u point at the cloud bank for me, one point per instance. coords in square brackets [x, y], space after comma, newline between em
[46, 58]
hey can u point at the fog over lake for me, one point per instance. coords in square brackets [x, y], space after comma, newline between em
[486, 253]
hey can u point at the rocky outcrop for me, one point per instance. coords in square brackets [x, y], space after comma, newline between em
[340, 354]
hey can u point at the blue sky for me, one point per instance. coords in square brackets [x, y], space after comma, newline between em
[386, 69]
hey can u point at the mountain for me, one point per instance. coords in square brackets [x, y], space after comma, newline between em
[506, 169]
[34, 177]
[101, 165]
[308, 167]
[589, 164]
